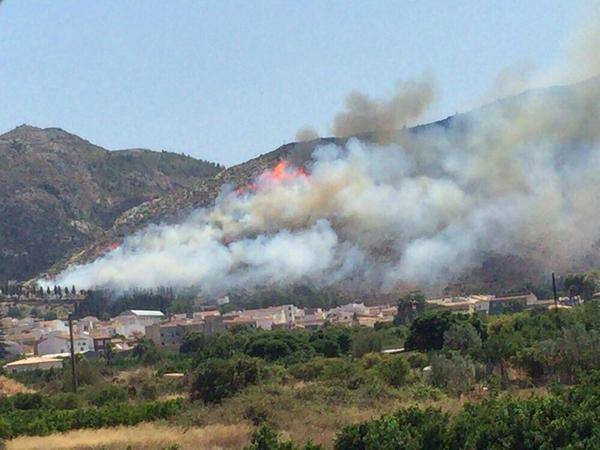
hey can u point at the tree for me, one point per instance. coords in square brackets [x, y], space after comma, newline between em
[583, 284]
[364, 341]
[15, 312]
[327, 347]
[50, 315]
[427, 331]
[463, 337]
[216, 378]
[409, 307]
[407, 429]
[455, 373]
[3, 346]
[394, 370]
[146, 351]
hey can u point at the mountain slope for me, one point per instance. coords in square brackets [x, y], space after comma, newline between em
[59, 192]
[498, 273]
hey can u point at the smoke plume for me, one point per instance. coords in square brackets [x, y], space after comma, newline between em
[306, 133]
[365, 115]
[518, 177]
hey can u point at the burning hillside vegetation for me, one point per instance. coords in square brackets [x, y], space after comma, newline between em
[519, 178]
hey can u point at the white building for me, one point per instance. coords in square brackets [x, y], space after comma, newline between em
[134, 321]
[57, 343]
[267, 318]
[35, 362]
[87, 324]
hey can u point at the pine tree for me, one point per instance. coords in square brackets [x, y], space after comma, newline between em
[3, 349]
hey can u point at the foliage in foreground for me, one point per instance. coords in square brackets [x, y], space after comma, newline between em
[568, 419]
[27, 415]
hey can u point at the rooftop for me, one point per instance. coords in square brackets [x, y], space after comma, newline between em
[142, 312]
[32, 360]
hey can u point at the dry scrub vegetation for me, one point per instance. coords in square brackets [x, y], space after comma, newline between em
[145, 436]
[12, 387]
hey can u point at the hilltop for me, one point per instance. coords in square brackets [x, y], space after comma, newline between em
[60, 193]
[118, 193]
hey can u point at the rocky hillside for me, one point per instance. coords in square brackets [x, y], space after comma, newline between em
[60, 193]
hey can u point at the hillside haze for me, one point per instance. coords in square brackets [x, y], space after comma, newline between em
[59, 193]
[469, 196]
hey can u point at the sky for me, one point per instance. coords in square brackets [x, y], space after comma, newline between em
[229, 80]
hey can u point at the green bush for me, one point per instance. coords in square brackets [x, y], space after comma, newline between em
[43, 421]
[393, 370]
[417, 360]
[217, 378]
[310, 370]
[264, 438]
[456, 373]
[364, 341]
[410, 428]
[106, 394]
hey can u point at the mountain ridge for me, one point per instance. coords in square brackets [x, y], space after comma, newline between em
[59, 192]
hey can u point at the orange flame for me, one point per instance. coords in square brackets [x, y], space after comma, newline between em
[112, 246]
[283, 171]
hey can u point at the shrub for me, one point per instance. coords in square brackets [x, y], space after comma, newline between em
[308, 371]
[393, 370]
[264, 438]
[463, 337]
[327, 347]
[27, 401]
[106, 394]
[417, 360]
[217, 378]
[370, 360]
[410, 428]
[455, 373]
[43, 421]
[67, 400]
[365, 341]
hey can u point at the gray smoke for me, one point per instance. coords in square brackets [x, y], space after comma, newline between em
[364, 114]
[518, 177]
[306, 133]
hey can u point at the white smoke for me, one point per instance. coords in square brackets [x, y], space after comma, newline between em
[520, 178]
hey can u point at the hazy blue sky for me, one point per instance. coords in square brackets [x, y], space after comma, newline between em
[228, 80]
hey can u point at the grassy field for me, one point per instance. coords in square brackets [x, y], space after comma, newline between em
[145, 436]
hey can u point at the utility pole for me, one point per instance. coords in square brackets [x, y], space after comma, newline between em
[554, 290]
[73, 363]
[555, 301]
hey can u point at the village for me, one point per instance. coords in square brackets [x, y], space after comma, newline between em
[35, 343]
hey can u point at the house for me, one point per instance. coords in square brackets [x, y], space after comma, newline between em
[100, 341]
[87, 324]
[347, 313]
[268, 318]
[60, 343]
[172, 332]
[33, 363]
[134, 321]
[478, 303]
[498, 305]
[13, 348]
[233, 322]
